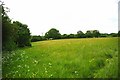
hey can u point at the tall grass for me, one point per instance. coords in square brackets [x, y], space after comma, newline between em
[68, 58]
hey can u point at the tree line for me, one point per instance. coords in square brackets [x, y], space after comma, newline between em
[55, 34]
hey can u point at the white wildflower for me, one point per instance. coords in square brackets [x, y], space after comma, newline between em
[51, 75]
[28, 70]
[35, 61]
[91, 60]
[76, 72]
[107, 59]
[46, 71]
[21, 54]
[19, 66]
[27, 66]
[50, 64]
[45, 68]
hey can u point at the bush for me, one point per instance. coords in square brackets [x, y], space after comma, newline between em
[36, 38]
[9, 45]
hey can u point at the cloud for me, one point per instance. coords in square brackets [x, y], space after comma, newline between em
[68, 16]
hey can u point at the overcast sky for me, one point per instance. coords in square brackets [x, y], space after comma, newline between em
[68, 16]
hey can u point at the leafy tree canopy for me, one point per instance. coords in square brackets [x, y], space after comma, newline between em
[53, 33]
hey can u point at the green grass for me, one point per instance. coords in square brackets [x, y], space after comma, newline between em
[68, 58]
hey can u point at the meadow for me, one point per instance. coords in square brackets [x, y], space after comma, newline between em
[67, 58]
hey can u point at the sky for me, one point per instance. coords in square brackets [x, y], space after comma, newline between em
[68, 16]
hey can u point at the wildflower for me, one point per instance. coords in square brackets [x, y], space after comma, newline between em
[33, 74]
[76, 72]
[19, 66]
[27, 66]
[50, 64]
[21, 54]
[51, 75]
[45, 68]
[16, 72]
[28, 70]
[106, 59]
[36, 62]
[46, 71]
[91, 60]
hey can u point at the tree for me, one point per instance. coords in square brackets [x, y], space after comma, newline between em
[36, 38]
[23, 38]
[8, 35]
[13, 34]
[89, 34]
[104, 35]
[80, 34]
[96, 33]
[53, 33]
[64, 36]
[71, 35]
[113, 34]
[92, 33]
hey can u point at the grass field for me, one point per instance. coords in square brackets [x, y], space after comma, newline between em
[68, 58]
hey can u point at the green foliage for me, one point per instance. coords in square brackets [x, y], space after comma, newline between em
[68, 58]
[8, 35]
[53, 33]
[92, 33]
[64, 36]
[71, 36]
[110, 70]
[13, 34]
[104, 35]
[113, 34]
[9, 45]
[36, 38]
[24, 37]
[80, 34]
[96, 33]
[89, 34]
